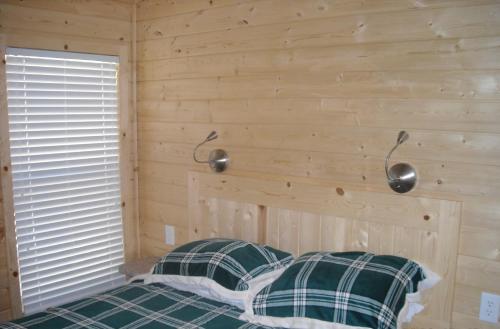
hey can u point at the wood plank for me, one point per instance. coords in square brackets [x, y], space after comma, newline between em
[4, 275]
[288, 229]
[14, 293]
[404, 84]
[381, 238]
[4, 299]
[62, 23]
[359, 236]
[452, 85]
[473, 115]
[482, 213]
[309, 233]
[98, 8]
[152, 190]
[128, 155]
[150, 9]
[168, 214]
[61, 42]
[480, 242]
[336, 233]
[196, 208]
[272, 227]
[480, 273]
[444, 260]
[209, 88]
[444, 54]
[163, 172]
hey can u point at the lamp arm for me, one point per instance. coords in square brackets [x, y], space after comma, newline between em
[387, 163]
[194, 152]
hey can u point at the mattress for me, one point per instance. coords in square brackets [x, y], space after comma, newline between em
[137, 305]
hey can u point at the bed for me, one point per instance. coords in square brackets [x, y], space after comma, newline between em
[290, 215]
[138, 305]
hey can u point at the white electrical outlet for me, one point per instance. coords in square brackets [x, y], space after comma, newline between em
[490, 307]
[169, 235]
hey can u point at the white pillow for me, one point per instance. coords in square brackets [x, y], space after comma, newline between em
[413, 301]
[209, 288]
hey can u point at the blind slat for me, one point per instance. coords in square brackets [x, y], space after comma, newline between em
[25, 146]
[88, 216]
[43, 163]
[54, 138]
[55, 182]
[69, 202]
[88, 167]
[47, 261]
[72, 293]
[29, 153]
[65, 213]
[63, 271]
[57, 285]
[67, 239]
[61, 177]
[60, 229]
[63, 250]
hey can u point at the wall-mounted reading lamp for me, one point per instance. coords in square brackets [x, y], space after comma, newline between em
[218, 159]
[401, 177]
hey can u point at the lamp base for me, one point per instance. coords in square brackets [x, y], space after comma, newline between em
[404, 177]
[218, 160]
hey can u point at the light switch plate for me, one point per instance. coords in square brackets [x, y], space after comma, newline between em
[169, 235]
[490, 307]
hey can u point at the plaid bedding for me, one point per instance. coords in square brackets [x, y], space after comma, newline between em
[352, 288]
[231, 263]
[137, 305]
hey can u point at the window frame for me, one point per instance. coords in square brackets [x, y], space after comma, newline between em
[127, 144]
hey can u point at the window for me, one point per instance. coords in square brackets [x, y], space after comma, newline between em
[64, 146]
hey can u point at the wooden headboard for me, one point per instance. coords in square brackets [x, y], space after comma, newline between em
[300, 217]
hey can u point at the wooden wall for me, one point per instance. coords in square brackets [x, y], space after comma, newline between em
[98, 26]
[318, 90]
[4, 282]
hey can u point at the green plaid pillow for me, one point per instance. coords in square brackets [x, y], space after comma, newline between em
[351, 288]
[230, 263]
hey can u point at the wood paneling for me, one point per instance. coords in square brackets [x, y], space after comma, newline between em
[4, 281]
[94, 26]
[24, 19]
[376, 112]
[302, 217]
[421, 24]
[419, 55]
[113, 9]
[318, 90]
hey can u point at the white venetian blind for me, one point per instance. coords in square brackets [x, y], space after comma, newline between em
[64, 143]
